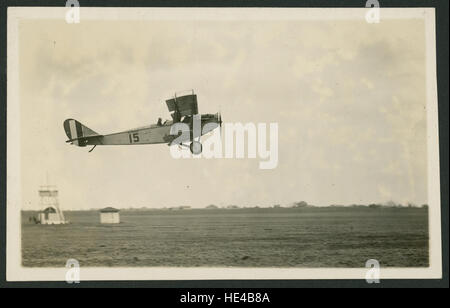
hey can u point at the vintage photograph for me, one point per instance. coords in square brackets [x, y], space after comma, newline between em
[212, 143]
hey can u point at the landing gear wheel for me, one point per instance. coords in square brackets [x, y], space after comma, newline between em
[196, 147]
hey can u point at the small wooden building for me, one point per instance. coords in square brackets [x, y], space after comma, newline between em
[109, 215]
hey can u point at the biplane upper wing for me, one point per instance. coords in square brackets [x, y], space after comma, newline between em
[185, 105]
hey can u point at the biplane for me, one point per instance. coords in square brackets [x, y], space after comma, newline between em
[184, 109]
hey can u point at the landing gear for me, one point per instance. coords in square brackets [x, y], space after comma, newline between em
[196, 147]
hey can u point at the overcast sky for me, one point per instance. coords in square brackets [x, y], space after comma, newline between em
[348, 96]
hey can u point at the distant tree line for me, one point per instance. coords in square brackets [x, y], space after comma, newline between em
[304, 204]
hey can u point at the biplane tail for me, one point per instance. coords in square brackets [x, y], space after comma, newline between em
[80, 134]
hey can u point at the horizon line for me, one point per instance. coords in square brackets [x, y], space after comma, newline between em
[235, 207]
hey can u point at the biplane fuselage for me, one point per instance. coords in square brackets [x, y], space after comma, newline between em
[185, 111]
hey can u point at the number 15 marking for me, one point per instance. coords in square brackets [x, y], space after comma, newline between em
[133, 137]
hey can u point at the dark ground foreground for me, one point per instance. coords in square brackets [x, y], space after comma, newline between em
[280, 237]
